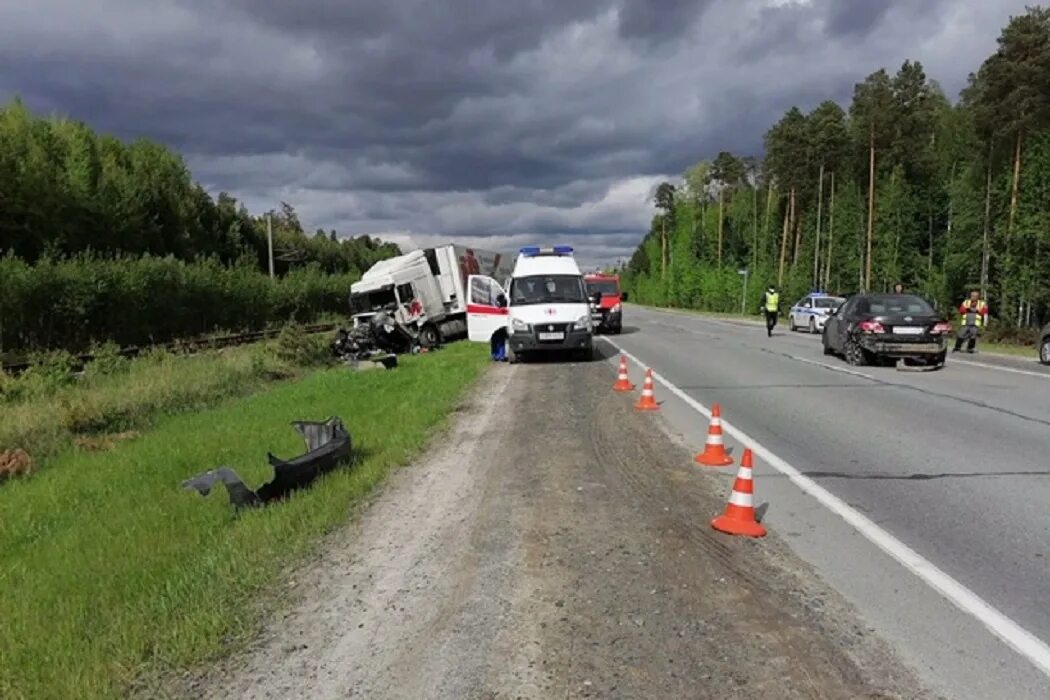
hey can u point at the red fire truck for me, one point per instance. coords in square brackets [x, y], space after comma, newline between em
[607, 314]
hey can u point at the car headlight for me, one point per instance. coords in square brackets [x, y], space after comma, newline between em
[616, 309]
[519, 325]
[583, 323]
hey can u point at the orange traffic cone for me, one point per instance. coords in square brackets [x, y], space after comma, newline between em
[623, 382]
[714, 454]
[647, 402]
[739, 518]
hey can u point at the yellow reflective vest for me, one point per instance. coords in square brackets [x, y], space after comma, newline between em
[772, 301]
[976, 310]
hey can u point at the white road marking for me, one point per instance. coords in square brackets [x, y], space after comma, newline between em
[1041, 375]
[1016, 637]
[833, 368]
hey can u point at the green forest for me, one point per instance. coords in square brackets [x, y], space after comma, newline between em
[102, 240]
[902, 185]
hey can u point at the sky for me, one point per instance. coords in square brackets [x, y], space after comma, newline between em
[497, 125]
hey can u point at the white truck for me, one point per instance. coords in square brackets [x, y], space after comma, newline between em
[426, 290]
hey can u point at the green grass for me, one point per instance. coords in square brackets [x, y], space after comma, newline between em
[44, 410]
[110, 572]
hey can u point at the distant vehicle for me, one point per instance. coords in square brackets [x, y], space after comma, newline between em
[425, 290]
[880, 328]
[1044, 345]
[544, 307]
[607, 314]
[811, 311]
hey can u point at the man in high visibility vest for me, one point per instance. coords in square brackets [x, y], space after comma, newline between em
[770, 307]
[974, 317]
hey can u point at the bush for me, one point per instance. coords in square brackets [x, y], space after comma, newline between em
[298, 348]
[73, 303]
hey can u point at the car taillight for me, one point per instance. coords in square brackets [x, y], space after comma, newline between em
[941, 328]
[871, 327]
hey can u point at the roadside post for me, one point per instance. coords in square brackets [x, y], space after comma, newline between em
[743, 294]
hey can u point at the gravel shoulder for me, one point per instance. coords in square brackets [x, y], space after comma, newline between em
[555, 543]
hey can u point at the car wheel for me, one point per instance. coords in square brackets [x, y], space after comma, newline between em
[827, 348]
[1044, 352]
[812, 326]
[512, 357]
[791, 322]
[940, 359]
[855, 354]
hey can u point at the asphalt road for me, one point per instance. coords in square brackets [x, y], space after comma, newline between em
[953, 463]
[556, 544]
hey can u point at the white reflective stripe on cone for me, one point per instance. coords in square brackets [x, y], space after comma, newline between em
[740, 499]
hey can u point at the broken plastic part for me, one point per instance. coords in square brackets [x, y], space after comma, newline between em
[327, 446]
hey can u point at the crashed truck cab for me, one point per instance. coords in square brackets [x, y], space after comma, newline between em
[544, 306]
[402, 286]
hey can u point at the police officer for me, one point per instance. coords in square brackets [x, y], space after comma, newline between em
[770, 307]
[974, 313]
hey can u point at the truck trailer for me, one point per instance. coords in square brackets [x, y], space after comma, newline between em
[426, 290]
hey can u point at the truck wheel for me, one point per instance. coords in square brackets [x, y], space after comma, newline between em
[429, 336]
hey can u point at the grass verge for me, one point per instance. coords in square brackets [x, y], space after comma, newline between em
[110, 572]
[48, 408]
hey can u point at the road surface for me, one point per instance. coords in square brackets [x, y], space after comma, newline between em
[955, 464]
[557, 544]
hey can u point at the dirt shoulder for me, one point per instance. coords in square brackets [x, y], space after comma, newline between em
[557, 544]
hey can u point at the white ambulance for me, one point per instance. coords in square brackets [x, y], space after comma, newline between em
[543, 307]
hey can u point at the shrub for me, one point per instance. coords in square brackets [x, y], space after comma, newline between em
[76, 302]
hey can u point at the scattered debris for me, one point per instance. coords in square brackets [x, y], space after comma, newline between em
[16, 462]
[327, 446]
[380, 339]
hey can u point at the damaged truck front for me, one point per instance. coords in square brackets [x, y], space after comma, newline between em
[425, 290]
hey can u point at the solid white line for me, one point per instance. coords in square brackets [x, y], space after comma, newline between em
[1041, 375]
[1019, 639]
[833, 368]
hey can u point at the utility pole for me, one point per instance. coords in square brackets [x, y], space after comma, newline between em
[269, 241]
[820, 212]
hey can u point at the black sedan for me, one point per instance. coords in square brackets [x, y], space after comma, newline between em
[883, 328]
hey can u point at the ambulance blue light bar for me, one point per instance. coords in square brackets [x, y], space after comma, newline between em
[532, 251]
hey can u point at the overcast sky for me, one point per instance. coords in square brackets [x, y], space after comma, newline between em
[508, 123]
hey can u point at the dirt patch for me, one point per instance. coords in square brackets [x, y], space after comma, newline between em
[100, 443]
[557, 544]
[16, 462]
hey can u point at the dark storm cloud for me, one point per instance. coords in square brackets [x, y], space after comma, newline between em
[855, 18]
[544, 118]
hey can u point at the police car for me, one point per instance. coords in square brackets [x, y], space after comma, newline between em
[811, 311]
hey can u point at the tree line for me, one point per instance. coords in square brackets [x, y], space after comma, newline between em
[902, 185]
[95, 231]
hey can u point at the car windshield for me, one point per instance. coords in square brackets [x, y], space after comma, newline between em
[889, 305]
[547, 289]
[827, 302]
[606, 287]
